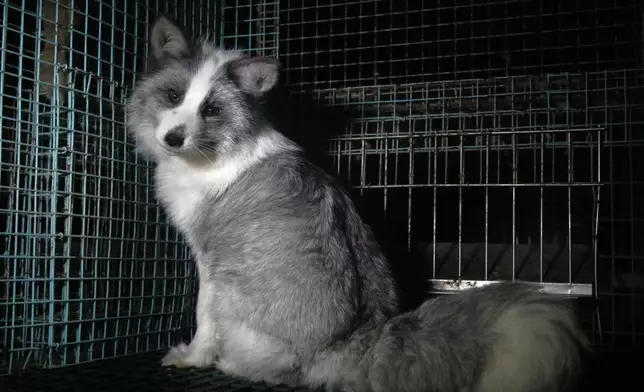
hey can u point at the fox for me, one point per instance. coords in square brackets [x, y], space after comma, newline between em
[293, 287]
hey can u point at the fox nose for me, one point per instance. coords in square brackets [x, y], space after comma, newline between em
[175, 137]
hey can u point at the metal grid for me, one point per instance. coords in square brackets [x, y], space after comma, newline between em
[352, 43]
[458, 110]
[149, 376]
[90, 267]
[486, 168]
[490, 179]
[250, 26]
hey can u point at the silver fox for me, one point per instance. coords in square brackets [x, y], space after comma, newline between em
[293, 287]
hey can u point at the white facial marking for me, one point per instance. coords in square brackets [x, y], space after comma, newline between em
[187, 112]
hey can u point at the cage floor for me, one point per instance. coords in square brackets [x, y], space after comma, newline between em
[138, 372]
[609, 369]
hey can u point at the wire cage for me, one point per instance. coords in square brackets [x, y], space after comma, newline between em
[90, 267]
[488, 132]
[496, 140]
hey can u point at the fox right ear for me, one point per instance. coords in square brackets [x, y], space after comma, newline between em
[167, 41]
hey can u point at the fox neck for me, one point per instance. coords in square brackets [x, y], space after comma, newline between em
[183, 187]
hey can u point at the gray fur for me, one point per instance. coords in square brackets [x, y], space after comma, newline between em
[293, 287]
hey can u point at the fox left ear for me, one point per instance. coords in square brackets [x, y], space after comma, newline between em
[167, 42]
[255, 75]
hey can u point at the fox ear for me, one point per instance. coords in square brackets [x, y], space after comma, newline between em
[255, 75]
[167, 41]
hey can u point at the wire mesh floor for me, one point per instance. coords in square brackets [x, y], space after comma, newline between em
[139, 372]
[609, 370]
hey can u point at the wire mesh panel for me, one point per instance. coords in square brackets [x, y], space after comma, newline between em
[621, 250]
[490, 179]
[365, 42]
[90, 267]
[484, 131]
[250, 26]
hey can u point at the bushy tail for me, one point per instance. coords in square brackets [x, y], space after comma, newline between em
[506, 337]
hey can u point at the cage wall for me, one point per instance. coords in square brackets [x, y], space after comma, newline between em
[481, 189]
[483, 130]
[90, 267]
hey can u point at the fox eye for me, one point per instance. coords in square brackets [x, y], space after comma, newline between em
[174, 96]
[210, 111]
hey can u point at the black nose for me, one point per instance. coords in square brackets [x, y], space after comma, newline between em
[175, 137]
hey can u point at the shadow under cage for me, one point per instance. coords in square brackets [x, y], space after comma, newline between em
[490, 142]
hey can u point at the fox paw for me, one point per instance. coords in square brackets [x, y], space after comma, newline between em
[184, 356]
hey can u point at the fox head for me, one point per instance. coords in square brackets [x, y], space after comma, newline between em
[196, 101]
